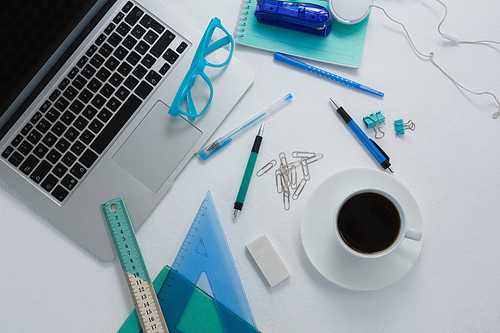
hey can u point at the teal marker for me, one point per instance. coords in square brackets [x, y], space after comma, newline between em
[238, 205]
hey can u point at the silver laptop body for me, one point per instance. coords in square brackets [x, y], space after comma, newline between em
[67, 179]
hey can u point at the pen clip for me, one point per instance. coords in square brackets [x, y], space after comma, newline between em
[205, 156]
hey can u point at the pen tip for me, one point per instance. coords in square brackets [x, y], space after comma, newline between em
[337, 105]
[236, 213]
[261, 129]
[390, 169]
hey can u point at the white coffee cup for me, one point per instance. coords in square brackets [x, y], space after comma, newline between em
[370, 215]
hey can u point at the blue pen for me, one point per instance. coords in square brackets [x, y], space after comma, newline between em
[328, 75]
[374, 149]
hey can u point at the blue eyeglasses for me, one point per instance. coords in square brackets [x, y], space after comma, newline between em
[188, 89]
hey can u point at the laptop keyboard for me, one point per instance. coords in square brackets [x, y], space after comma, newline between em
[64, 138]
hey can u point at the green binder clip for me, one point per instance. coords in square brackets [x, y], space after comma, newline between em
[376, 121]
[400, 126]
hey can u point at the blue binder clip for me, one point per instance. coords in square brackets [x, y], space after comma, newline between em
[400, 127]
[377, 121]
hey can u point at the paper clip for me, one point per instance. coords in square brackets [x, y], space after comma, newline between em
[302, 154]
[286, 200]
[299, 189]
[400, 127]
[377, 121]
[279, 183]
[293, 176]
[314, 158]
[305, 169]
[266, 167]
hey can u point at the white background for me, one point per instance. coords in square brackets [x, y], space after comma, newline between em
[450, 164]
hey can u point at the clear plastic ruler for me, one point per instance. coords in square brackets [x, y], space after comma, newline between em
[134, 268]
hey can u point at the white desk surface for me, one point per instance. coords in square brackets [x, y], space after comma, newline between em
[450, 163]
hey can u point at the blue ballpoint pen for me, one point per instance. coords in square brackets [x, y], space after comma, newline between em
[374, 149]
[328, 75]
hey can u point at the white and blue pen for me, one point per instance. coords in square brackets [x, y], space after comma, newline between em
[328, 75]
[221, 142]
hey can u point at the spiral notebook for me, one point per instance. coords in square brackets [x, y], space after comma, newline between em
[343, 46]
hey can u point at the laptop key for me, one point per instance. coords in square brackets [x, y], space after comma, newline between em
[68, 117]
[120, 52]
[55, 94]
[138, 31]
[79, 82]
[61, 104]
[107, 90]
[59, 170]
[94, 85]
[115, 39]
[68, 159]
[133, 58]
[143, 90]
[80, 123]
[72, 73]
[100, 39]
[60, 193]
[95, 126]
[112, 63]
[134, 16]
[43, 126]
[88, 158]
[131, 82]
[69, 182]
[129, 42]
[26, 129]
[98, 101]
[123, 29]
[90, 52]
[153, 78]
[85, 96]
[53, 156]
[140, 71]
[34, 136]
[122, 93]
[70, 93]
[105, 115]
[49, 139]
[116, 79]
[151, 37]
[58, 128]
[41, 171]
[148, 61]
[64, 83]
[71, 134]
[25, 147]
[88, 71]
[17, 140]
[118, 17]
[16, 159]
[36, 117]
[124, 69]
[77, 148]
[109, 28]
[83, 60]
[40, 150]
[52, 115]
[105, 50]
[113, 104]
[103, 74]
[78, 170]
[127, 7]
[164, 69]
[62, 145]
[162, 43]
[6, 153]
[87, 137]
[49, 183]
[29, 165]
[142, 47]
[97, 61]
[45, 106]
[115, 125]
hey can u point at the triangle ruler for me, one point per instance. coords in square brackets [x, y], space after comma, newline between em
[205, 252]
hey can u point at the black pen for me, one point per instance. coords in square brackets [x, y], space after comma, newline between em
[238, 205]
[374, 149]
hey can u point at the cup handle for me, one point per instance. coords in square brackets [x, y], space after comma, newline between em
[413, 234]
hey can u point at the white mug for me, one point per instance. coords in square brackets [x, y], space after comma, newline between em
[404, 231]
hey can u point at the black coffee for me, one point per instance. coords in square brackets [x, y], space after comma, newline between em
[369, 222]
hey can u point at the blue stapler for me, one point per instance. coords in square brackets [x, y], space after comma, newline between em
[305, 17]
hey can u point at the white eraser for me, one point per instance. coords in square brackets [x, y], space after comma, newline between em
[268, 260]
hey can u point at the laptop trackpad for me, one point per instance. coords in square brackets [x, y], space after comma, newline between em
[157, 145]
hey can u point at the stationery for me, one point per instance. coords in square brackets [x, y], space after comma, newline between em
[372, 147]
[220, 143]
[134, 267]
[343, 45]
[328, 75]
[238, 205]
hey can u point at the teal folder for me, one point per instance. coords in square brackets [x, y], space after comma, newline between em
[343, 46]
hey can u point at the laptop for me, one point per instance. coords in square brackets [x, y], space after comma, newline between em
[85, 90]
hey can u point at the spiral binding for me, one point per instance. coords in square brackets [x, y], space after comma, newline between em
[239, 29]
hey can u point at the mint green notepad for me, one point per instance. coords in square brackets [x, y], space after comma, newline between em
[343, 46]
[200, 313]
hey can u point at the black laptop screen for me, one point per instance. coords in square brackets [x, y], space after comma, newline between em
[31, 30]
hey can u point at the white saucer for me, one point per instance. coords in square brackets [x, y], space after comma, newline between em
[327, 255]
